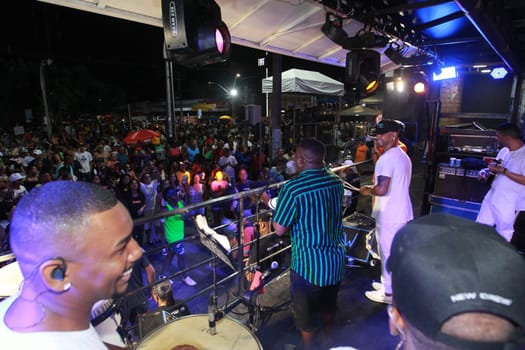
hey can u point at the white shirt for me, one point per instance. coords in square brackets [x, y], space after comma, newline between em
[395, 206]
[505, 192]
[87, 339]
[84, 158]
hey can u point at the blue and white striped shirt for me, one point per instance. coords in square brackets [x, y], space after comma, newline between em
[311, 205]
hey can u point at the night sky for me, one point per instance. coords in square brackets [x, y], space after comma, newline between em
[118, 52]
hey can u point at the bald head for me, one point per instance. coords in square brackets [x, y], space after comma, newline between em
[54, 218]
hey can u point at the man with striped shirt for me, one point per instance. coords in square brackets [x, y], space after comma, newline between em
[310, 207]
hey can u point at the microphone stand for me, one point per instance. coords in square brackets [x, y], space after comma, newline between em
[212, 302]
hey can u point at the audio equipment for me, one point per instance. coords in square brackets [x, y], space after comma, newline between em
[59, 272]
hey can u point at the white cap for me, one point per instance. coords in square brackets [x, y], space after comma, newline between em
[15, 177]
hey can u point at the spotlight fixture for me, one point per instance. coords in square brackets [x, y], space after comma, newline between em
[393, 52]
[363, 70]
[333, 28]
[363, 40]
[194, 32]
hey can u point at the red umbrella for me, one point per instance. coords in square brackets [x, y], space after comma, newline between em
[140, 136]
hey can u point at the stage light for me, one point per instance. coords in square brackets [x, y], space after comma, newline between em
[420, 88]
[194, 32]
[363, 70]
[498, 73]
[333, 28]
[393, 52]
[446, 73]
[363, 40]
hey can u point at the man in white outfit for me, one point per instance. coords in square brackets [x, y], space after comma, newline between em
[392, 207]
[500, 205]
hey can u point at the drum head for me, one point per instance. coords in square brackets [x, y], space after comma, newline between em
[10, 279]
[193, 330]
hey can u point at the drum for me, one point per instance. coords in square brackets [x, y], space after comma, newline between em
[193, 330]
[10, 279]
[106, 320]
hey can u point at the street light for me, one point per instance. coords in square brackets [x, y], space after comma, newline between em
[233, 92]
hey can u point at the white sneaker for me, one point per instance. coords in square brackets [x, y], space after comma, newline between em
[378, 286]
[189, 281]
[379, 297]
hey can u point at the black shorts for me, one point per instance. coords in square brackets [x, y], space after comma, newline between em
[309, 302]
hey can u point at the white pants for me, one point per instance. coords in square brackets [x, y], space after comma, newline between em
[499, 216]
[385, 233]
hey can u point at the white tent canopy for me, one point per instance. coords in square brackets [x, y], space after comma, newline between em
[307, 82]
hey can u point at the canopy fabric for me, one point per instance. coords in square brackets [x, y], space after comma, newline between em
[306, 82]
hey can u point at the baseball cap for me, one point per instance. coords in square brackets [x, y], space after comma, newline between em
[388, 125]
[444, 265]
[15, 177]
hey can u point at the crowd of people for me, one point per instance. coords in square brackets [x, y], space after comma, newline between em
[205, 154]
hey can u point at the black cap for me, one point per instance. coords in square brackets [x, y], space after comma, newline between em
[388, 125]
[444, 265]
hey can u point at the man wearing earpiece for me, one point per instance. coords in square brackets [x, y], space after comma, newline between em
[73, 242]
[457, 284]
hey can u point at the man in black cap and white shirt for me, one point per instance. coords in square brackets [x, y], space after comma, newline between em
[392, 207]
[457, 285]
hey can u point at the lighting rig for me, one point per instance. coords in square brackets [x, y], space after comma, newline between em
[194, 32]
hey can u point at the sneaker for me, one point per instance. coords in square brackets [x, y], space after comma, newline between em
[379, 296]
[378, 286]
[189, 281]
[162, 277]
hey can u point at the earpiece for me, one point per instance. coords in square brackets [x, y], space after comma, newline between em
[59, 272]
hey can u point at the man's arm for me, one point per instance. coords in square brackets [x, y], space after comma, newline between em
[516, 177]
[150, 273]
[380, 189]
[280, 230]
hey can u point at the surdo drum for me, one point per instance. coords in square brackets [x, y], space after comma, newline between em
[191, 332]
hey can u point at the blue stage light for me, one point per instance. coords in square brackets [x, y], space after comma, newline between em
[446, 73]
[499, 73]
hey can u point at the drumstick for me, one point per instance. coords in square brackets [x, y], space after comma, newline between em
[350, 186]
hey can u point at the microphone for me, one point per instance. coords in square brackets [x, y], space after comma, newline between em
[259, 277]
[274, 265]
[211, 315]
